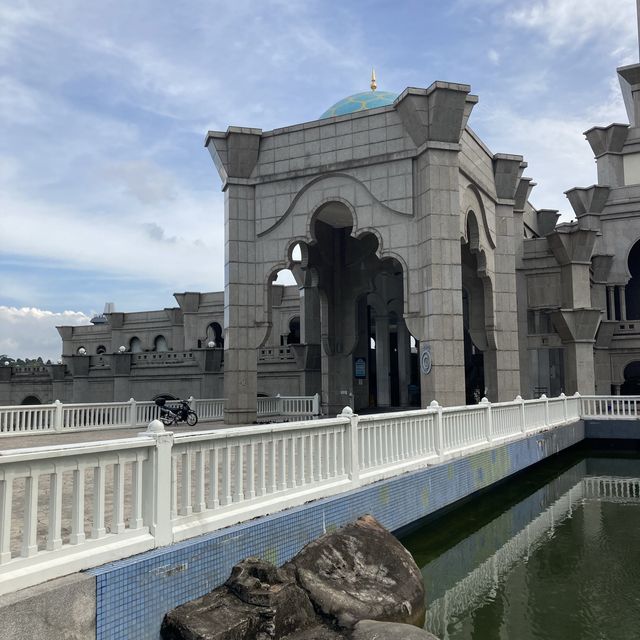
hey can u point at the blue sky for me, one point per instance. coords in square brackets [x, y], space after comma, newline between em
[106, 190]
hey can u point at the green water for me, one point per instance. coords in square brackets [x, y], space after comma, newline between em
[541, 558]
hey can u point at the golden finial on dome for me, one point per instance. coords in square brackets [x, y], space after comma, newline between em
[374, 84]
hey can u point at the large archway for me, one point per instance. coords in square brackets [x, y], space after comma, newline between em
[336, 274]
[473, 313]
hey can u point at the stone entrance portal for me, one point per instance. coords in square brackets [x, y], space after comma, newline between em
[376, 200]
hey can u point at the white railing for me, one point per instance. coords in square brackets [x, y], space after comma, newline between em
[610, 406]
[59, 417]
[69, 507]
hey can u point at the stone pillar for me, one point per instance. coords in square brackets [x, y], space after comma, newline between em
[607, 144]
[577, 321]
[616, 389]
[612, 303]
[435, 119]
[503, 383]
[404, 362]
[623, 302]
[382, 361]
[235, 153]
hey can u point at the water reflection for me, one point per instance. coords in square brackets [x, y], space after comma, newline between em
[561, 563]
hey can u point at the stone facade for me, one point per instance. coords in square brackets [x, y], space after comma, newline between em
[422, 272]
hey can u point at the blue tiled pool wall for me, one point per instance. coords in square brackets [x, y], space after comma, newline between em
[134, 594]
[612, 429]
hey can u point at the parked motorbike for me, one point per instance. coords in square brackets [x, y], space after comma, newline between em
[176, 414]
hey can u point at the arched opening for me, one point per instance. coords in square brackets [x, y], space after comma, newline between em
[31, 400]
[473, 314]
[135, 345]
[632, 290]
[164, 396]
[293, 337]
[100, 349]
[81, 351]
[160, 344]
[631, 385]
[215, 335]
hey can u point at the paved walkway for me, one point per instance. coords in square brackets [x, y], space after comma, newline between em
[52, 439]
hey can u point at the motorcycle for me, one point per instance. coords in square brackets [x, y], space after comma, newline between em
[176, 414]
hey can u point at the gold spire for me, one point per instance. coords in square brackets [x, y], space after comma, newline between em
[374, 84]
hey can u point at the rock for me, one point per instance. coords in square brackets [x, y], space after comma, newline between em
[319, 632]
[361, 572]
[373, 630]
[257, 601]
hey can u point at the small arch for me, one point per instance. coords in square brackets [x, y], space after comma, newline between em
[31, 399]
[632, 289]
[101, 349]
[293, 336]
[334, 212]
[160, 344]
[135, 345]
[215, 335]
[81, 351]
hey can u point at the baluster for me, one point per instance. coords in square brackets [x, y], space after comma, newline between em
[199, 502]
[262, 480]
[98, 529]
[301, 459]
[213, 501]
[185, 484]
[226, 475]
[174, 486]
[251, 479]
[271, 486]
[291, 454]
[282, 469]
[6, 501]
[317, 469]
[118, 498]
[238, 490]
[77, 509]
[325, 455]
[136, 521]
[29, 534]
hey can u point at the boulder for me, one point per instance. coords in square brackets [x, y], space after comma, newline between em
[257, 601]
[373, 630]
[361, 572]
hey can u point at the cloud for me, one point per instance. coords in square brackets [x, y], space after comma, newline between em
[29, 332]
[573, 23]
[493, 56]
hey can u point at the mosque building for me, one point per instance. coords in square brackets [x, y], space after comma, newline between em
[421, 272]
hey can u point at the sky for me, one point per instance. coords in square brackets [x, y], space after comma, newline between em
[107, 193]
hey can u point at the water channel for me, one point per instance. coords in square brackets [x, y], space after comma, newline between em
[553, 554]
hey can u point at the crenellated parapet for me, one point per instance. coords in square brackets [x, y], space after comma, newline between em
[234, 152]
[438, 113]
[507, 172]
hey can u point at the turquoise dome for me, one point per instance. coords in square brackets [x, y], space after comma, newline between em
[360, 102]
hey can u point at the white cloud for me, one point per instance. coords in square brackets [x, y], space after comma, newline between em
[29, 332]
[572, 23]
[493, 56]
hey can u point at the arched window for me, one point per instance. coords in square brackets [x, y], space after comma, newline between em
[160, 344]
[214, 334]
[135, 345]
[294, 331]
[632, 290]
[100, 349]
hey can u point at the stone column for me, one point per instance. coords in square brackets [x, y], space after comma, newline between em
[612, 303]
[435, 119]
[404, 362]
[577, 321]
[382, 361]
[503, 381]
[235, 153]
[623, 302]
